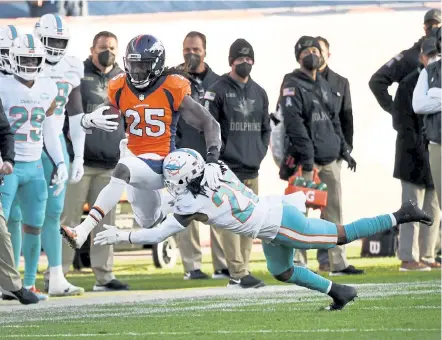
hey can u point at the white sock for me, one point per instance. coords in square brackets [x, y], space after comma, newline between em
[56, 273]
[106, 201]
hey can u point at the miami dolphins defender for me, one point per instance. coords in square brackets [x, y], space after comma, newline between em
[28, 100]
[277, 220]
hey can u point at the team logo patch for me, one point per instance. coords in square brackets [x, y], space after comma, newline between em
[288, 91]
[209, 95]
[141, 96]
[44, 96]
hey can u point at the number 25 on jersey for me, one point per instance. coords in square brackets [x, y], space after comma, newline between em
[155, 126]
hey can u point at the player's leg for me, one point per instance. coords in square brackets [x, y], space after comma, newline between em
[280, 264]
[146, 174]
[300, 232]
[50, 236]
[32, 196]
[8, 196]
[14, 225]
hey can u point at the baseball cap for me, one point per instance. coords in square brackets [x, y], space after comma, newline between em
[432, 14]
[429, 46]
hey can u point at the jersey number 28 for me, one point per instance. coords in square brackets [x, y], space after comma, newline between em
[154, 128]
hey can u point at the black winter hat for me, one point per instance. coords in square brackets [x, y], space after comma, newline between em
[306, 42]
[241, 48]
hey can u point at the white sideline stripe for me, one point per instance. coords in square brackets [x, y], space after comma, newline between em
[70, 313]
[308, 238]
[257, 331]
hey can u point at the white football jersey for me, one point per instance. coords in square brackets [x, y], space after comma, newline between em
[67, 74]
[26, 109]
[236, 208]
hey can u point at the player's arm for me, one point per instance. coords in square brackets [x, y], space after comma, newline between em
[7, 139]
[197, 116]
[74, 109]
[172, 225]
[51, 109]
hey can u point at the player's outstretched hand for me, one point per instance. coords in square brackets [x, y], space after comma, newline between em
[6, 168]
[77, 171]
[98, 120]
[212, 175]
[112, 235]
[60, 178]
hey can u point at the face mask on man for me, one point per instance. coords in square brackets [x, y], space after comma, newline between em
[106, 58]
[243, 70]
[311, 62]
[192, 61]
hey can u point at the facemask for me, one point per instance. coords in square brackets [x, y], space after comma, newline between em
[106, 58]
[192, 61]
[311, 62]
[243, 70]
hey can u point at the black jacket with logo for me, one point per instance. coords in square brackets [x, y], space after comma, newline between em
[101, 149]
[242, 111]
[187, 136]
[310, 118]
[412, 162]
[340, 88]
[394, 71]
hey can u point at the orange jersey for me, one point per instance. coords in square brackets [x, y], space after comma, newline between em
[151, 115]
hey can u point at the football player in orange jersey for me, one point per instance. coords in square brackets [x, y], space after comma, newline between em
[152, 98]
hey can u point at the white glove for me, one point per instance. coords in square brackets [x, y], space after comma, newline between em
[97, 120]
[112, 235]
[77, 170]
[212, 175]
[60, 178]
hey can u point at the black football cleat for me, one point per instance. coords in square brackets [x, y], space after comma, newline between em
[23, 295]
[410, 212]
[341, 295]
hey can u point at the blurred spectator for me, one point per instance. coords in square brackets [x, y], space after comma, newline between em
[101, 155]
[241, 107]
[427, 97]
[61, 7]
[401, 65]
[201, 77]
[412, 167]
[315, 136]
[340, 88]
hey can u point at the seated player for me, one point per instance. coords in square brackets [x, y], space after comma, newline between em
[277, 220]
[152, 99]
[28, 100]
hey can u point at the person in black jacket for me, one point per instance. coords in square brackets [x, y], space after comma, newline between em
[412, 166]
[340, 88]
[241, 107]
[101, 154]
[401, 64]
[201, 77]
[315, 136]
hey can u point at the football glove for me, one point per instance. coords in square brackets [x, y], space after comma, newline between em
[97, 120]
[112, 235]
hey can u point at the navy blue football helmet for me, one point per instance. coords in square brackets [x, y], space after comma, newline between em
[144, 60]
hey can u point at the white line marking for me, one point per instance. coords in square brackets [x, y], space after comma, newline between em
[258, 331]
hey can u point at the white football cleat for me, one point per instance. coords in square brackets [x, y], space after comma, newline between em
[64, 289]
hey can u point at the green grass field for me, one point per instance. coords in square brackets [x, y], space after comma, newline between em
[391, 305]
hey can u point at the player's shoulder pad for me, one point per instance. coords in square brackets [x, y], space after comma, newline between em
[176, 81]
[117, 82]
[75, 64]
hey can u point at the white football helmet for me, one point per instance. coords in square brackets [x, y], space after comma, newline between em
[179, 168]
[53, 32]
[7, 35]
[27, 56]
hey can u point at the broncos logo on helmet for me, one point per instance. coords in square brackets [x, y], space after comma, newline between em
[144, 60]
